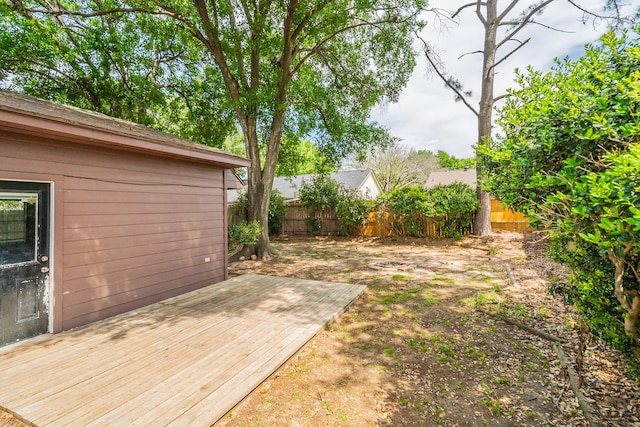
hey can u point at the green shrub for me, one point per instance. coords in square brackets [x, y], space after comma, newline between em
[406, 207]
[450, 207]
[277, 208]
[453, 207]
[352, 211]
[245, 233]
[318, 194]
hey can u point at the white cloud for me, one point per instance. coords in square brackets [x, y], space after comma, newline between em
[426, 115]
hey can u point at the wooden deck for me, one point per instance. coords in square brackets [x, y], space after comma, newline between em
[184, 361]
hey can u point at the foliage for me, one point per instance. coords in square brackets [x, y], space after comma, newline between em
[406, 207]
[589, 289]
[352, 212]
[302, 157]
[450, 207]
[446, 160]
[570, 159]
[134, 67]
[322, 192]
[245, 233]
[453, 207]
[317, 194]
[277, 208]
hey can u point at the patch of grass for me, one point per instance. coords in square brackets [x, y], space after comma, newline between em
[516, 311]
[446, 350]
[400, 277]
[501, 380]
[428, 302]
[392, 298]
[493, 405]
[389, 352]
[436, 338]
[491, 250]
[447, 280]
[418, 344]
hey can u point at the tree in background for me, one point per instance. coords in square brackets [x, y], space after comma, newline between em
[570, 159]
[447, 161]
[398, 166]
[127, 66]
[497, 47]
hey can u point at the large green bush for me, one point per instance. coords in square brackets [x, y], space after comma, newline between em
[322, 192]
[569, 157]
[450, 207]
[277, 209]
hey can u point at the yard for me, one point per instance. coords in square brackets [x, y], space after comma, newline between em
[415, 350]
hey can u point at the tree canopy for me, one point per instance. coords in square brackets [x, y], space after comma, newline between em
[310, 69]
[569, 158]
[130, 66]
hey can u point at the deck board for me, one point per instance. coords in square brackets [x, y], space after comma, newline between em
[184, 361]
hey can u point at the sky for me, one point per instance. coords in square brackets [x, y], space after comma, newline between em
[426, 117]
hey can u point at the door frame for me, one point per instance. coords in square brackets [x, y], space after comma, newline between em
[51, 242]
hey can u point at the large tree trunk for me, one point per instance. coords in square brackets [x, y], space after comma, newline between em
[482, 220]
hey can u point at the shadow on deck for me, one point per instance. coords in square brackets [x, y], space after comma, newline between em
[184, 361]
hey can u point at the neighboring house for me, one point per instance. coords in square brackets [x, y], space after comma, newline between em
[447, 177]
[99, 216]
[362, 181]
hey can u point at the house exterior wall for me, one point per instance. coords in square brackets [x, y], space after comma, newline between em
[129, 229]
[370, 188]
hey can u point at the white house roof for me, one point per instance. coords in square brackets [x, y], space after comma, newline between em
[447, 177]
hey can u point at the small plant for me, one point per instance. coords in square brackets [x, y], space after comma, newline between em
[245, 233]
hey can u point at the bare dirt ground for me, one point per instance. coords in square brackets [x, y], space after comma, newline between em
[415, 350]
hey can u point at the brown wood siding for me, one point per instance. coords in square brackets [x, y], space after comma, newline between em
[135, 229]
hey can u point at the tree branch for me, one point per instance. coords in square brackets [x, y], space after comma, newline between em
[461, 8]
[525, 20]
[506, 11]
[511, 53]
[446, 81]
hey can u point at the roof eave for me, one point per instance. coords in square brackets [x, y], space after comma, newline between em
[26, 122]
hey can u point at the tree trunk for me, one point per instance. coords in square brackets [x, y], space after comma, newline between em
[631, 319]
[632, 308]
[482, 220]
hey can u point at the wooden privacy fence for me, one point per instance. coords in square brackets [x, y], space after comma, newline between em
[295, 222]
[505, 219]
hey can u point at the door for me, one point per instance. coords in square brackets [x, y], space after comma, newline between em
[24, 260]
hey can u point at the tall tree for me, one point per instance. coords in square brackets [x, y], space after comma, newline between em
[301, 68]
[513, 16]
[313, 68]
